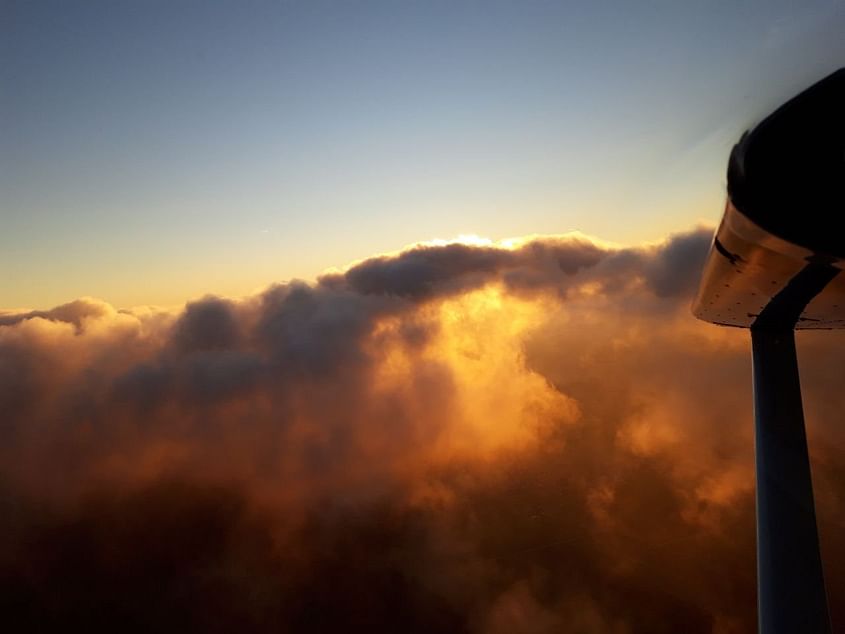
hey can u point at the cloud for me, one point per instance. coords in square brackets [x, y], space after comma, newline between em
[455, 438]
[75, 312]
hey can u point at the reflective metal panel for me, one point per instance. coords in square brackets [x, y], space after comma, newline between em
[748, 267]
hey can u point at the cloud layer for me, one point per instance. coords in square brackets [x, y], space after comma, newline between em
[456, 438]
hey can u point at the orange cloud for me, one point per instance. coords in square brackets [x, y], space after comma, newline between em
[463, 437]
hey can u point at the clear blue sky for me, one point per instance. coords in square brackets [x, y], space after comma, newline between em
[154, 151]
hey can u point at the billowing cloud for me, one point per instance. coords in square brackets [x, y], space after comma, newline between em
[532, 437]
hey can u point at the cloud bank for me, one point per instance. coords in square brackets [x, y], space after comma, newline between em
[456, 438]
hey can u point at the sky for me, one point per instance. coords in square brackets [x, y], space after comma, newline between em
[154, 152]
[269, 363]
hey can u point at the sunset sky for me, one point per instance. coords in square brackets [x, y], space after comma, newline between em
[375, 316]
[157, 151]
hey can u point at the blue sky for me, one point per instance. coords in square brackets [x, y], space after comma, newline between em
[156, 151]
